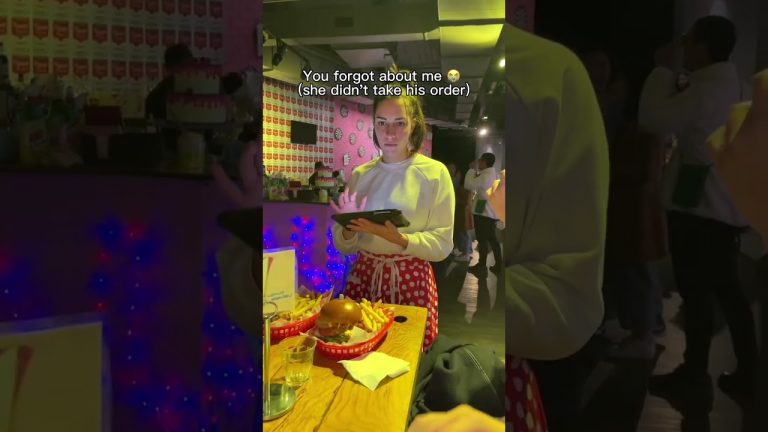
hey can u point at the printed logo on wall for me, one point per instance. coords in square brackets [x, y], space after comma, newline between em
[153, 6]
[61, 30]
[20, 27]
[80, 32]
[40, 28]
[352, 138]
[61, 66]
[215, 9]
[40, 65]
[338, 134]
[344, 111]
[80, 67]
[185, 7]
[137, 70]
[21, 64]
[137, 5]
[169, 7]
[99, 33]
[360, 125]
[119, 34]
[152, 37]
[99, 68]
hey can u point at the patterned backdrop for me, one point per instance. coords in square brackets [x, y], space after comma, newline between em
[283, 104]
[111, 48]
[344, 128]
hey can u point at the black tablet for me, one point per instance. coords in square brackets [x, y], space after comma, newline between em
[376, 216]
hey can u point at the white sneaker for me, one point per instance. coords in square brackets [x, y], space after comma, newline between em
[463, 258]
[634, 348]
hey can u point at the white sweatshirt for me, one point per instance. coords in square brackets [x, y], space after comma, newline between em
[557, 198]
[693, 115]
[480, 183]
[422, 189]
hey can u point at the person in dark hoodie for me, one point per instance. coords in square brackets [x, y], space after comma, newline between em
[557, 198]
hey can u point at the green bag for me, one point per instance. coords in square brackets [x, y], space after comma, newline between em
[480, 206]
[691, 181]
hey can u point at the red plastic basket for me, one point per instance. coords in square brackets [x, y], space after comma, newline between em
[279, 333]
[337, 352]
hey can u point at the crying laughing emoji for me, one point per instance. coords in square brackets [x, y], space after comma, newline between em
[453, 76]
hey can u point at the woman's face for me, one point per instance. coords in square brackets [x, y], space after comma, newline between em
[393, 129]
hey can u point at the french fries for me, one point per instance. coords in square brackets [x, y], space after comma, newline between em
[374, 317]
[304, 307]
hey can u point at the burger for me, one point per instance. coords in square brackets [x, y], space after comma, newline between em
[337, 319]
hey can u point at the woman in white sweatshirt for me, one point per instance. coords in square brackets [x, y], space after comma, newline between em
[393, 264]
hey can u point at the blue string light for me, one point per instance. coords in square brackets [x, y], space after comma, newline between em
[125, 267]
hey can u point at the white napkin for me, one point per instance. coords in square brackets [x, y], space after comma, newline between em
[369, 369]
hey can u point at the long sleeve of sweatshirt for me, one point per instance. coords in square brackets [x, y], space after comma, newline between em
[422, 189]
[557, 194]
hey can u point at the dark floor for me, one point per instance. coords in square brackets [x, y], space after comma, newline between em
[471, 309]
[615, 398]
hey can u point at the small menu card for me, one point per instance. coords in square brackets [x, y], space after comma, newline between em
[279, 278]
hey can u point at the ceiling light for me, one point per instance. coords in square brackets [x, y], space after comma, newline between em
[502, 62]
[483, 132]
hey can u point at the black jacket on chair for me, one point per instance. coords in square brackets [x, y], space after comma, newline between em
[453, 373]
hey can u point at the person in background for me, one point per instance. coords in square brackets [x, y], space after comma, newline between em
[393, 265]
[176, 57]
[479, 179]
[463, 223]
[704, 225]
[636, 231]
[339, 186]
[318, 166]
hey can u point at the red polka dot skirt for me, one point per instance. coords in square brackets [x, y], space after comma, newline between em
[525, 412]
[396, 279]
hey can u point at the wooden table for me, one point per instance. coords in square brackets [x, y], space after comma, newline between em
[333, 401]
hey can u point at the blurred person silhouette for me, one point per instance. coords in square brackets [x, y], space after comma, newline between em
[704, 224]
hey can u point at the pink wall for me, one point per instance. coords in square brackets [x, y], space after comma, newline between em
[240, 18]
